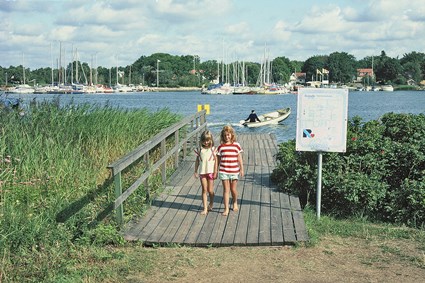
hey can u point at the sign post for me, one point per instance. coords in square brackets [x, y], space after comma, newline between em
[321, 125]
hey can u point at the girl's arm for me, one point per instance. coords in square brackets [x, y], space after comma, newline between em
[217, 164]
[216, 158]
[196, 167]
[241, 173]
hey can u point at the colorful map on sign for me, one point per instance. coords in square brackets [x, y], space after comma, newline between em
[322, 120]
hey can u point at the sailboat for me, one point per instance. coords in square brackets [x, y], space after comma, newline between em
[265, 86]
[22, 88]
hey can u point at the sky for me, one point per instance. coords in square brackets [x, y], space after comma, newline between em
[35, 33]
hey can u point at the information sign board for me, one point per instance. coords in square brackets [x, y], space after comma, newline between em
[322, 120]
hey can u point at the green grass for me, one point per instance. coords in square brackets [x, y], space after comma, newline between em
[55, 188]
[388, 237]
[358, 227]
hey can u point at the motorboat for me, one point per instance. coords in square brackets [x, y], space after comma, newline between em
[270, 118]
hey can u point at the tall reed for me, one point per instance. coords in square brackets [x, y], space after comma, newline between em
[54, 181]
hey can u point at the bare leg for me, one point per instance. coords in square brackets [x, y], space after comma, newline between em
[226, 193]
[234, 191]
[211, 193]
[204, 183]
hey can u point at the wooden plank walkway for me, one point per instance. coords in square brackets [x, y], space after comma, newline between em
[265, 217]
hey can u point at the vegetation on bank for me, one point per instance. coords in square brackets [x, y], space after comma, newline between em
[189, 71]
[380, 176]
[55, 188]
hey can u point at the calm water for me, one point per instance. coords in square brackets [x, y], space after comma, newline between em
[230, 109]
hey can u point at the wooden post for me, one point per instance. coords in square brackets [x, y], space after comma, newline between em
[176, 142]
[319, 185]
[146, 183]
[119, 212]
[185, 145]
[194, 141]
[163, 165]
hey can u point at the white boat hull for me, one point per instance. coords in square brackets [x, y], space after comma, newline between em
[270, 118]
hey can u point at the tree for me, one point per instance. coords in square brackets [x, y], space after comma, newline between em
[281, 70]
[341, 67]
[413, 65]
[312, 64]
[387, 69]
[209, 69]
[253, 71]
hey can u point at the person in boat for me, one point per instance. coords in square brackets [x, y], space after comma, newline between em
[252, 117]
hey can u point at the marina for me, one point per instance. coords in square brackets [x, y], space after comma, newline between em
[230, 109]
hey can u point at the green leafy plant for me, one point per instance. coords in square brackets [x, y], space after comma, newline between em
[379, 176]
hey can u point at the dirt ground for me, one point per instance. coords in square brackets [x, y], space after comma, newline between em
[332, 260]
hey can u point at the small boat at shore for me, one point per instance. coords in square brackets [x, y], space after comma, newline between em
[387, 88]
[270, 118]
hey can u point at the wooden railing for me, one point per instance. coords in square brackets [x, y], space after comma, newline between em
[191, 127]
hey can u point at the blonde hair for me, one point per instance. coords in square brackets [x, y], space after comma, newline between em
[228, 129]
[206, 136]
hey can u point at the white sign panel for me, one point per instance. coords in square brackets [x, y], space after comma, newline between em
[322, 119]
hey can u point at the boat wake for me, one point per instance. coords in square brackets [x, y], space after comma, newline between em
[222, 124]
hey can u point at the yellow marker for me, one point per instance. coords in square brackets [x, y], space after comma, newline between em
[207, 108]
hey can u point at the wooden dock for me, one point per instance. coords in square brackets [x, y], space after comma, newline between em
[265, 217]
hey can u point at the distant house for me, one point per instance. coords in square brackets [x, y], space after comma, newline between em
[296, 79]
[364, 73]
[300, 78]
[411, 82]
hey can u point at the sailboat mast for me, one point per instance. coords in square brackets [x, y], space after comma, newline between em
[51, 60]
[23, 68]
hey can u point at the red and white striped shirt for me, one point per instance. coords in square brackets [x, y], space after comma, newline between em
[229, 158]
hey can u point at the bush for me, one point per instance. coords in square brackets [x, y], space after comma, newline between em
[379, 176]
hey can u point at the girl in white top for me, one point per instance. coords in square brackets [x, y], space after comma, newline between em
[206, 169]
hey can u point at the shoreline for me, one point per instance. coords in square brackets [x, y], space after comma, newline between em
[175, 89]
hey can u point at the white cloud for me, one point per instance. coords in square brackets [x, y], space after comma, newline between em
[132, 28]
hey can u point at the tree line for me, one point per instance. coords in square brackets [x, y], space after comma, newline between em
[187, 71]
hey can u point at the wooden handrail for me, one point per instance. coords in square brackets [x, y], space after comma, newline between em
[195, 124]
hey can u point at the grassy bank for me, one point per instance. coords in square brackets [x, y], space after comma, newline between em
[55, 189]
[55, 221]
[374, 247]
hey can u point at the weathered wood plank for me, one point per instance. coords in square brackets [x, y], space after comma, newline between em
[276, 219]
[232, 218]
[300, 228]
[265, 217]
[166, 215]
[211, 218]
[176, 217]
[133, 229]
[287, 222]
[244, 207]
[254, 217]
[264, 236]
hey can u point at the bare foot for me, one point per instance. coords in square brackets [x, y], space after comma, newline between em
[225, 213]
[204, 212]
[235, 207]
[210, 207]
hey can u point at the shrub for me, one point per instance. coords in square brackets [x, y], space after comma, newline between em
[379, 176]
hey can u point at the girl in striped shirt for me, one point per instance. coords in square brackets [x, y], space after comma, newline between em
[230, 166]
